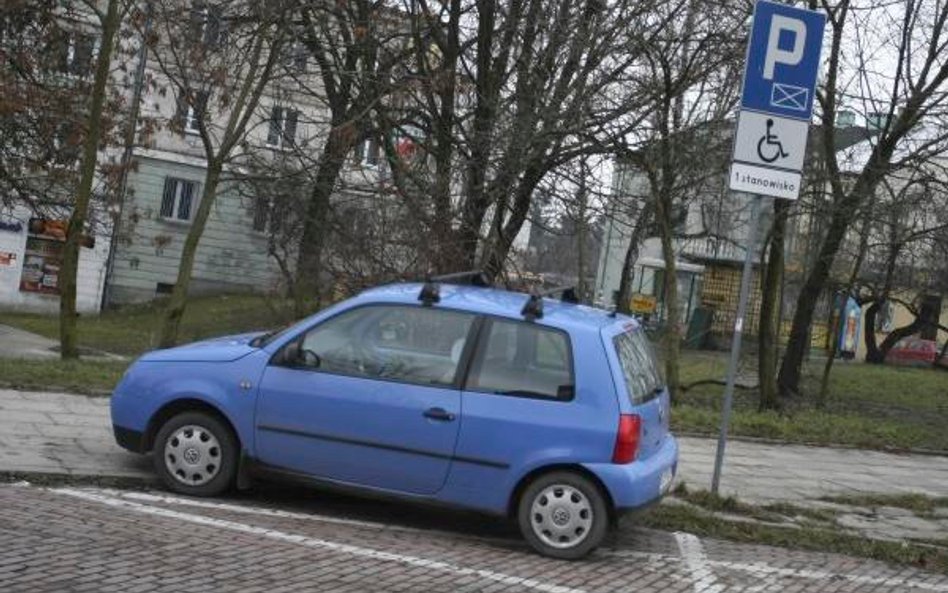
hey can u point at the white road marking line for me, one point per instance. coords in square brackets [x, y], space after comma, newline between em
[692, 553]
[280, 514]
[765, 570]
[314, 542]
[265, 512]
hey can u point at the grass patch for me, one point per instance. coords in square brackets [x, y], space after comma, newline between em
[869, 406]
[694, 520]
[779, 512]
[133, 330]
[923, 506]
[130, 331]
[70, 376]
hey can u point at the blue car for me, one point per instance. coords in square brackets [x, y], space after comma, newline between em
[548, 412]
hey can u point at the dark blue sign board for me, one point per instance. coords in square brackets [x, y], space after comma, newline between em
[783, 60]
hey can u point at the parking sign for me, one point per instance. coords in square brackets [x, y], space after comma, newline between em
[783, 60]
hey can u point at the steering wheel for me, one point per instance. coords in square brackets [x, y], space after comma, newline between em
[309, 358]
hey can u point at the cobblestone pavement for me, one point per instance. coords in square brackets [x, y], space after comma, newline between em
[87, 539]
[70, 434]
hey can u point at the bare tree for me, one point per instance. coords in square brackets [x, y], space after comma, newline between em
[498, 95]
[58, 109]
[690, 69]
[907, 224]
[110, 21]
[357, 46]
[897, 74]
[218, 59]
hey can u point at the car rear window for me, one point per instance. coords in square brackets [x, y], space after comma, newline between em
[643, 378]
[523, 359]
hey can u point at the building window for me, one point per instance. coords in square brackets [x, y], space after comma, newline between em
[65, 144]
[191, 110]
[296, 57]
[367, 153]
[261, 213]
[208, 24]
[178, 199]
[74, 52]
[282, 132]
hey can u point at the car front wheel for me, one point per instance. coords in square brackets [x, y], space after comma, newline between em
[563, 515]
[195, 453]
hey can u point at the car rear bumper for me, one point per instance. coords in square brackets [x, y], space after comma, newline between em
[642, 482]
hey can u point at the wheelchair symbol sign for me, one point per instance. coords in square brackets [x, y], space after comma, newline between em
[770, 145]
[770, 141]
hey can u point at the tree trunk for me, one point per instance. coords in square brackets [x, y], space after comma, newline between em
[788, 380]
[174, 310]
[869, 333]
[893, 338]
[77, 221]
[769, 329]
[313, 241]
[672, 345]
[581, 237]
[624, 298]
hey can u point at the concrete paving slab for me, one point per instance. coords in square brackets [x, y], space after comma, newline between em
[16, 343]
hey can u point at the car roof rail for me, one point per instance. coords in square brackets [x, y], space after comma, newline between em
[533, 308]
[431, 290]
[430, 293]
[567, 293]
[475, 277]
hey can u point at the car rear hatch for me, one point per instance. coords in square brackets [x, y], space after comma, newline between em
[639, 382]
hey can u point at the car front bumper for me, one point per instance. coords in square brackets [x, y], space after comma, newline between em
[641, 482]
[127, 438]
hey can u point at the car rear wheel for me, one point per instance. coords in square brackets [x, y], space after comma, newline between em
[563, 515]
[195, 453]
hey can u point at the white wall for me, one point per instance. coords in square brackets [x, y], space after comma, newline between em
[91, 276]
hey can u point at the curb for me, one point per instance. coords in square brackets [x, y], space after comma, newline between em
[843, 446]
[47, 478]
[59, 390]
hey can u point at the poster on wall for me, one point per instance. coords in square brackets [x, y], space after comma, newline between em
[41, 264]
[43, 257]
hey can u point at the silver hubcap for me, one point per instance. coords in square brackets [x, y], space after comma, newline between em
[193, 455]
[561, 516]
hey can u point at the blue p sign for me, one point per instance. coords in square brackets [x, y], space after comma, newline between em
[783, 60]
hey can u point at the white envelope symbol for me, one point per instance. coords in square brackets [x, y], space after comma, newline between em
[789, 96]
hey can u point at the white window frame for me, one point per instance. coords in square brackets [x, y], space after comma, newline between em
[282, 141]
[175, 216]
[72, 39]
[362, 153]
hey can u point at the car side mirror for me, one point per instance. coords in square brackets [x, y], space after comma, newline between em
[292, 355]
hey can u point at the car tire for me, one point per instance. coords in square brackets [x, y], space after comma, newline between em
[195, 453]
[563, 515]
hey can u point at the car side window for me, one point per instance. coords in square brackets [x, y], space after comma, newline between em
[523, 359]
[401, 343]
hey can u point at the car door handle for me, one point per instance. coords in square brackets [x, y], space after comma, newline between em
[439, 414]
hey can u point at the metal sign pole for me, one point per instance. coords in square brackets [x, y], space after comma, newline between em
[736, 339]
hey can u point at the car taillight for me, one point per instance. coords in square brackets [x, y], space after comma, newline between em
[627, 438]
